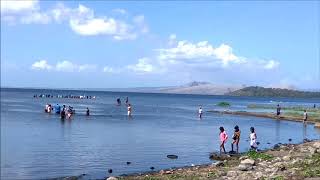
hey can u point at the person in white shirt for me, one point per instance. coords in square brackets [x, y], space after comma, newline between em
[200, 112]
[305, 116]
[253, 139]
[129, 110]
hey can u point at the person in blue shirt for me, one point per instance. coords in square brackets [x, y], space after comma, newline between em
[57, 108]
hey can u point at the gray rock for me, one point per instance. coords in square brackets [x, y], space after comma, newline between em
[217, 164]
[316, 144]
[245, 167]
[287, 158]
[243, 158]
[232, 173]
[248, 161]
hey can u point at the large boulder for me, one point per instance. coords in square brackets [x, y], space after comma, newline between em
[246, 165]
[317, 125]
[219, 157]
[248, 161]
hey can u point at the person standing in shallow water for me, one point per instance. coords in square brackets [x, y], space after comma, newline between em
[236, 138]
[223, 138]
[129, 110]
[127, 100]
[253, 139]
[278, 110]
[200, 112]
[305, 116]
[88, 112]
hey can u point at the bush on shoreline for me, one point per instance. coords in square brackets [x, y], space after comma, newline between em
[223, 104]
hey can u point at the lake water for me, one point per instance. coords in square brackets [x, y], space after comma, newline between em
[37, 145]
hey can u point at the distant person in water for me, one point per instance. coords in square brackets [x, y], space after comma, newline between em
[127, 100]
[253, 139]
[314, 106]
[200, 112]
[129, 110]
[118, 101]
[236, 138]
[63, 112]
[223, 138]
[278, 110]
[46, 108]
[305, 116]
[57, 108]
[88, 112]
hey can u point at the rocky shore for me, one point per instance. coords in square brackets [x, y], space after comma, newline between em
[287, 161]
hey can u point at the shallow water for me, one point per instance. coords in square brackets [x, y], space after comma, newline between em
[36, 145]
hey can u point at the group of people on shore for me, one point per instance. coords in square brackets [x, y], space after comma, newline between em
[63, 111]
[64, 96]
[236, 139]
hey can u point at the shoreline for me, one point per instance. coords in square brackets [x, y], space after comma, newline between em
[266, 115]
[286, 161]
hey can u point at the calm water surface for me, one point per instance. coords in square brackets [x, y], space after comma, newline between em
[36, 145]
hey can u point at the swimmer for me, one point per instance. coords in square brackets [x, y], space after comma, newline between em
[127, 100]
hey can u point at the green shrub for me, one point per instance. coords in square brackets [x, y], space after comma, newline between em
[223, 104]
[256, 155]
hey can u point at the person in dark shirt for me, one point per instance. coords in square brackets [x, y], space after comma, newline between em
[278, 110]
[88, 112]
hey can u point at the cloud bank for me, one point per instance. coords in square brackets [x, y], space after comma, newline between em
[81, 20]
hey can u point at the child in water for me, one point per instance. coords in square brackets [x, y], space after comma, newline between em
[223, 138]
[236, 138]
[253, 139]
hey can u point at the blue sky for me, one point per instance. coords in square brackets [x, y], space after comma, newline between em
[96, 44]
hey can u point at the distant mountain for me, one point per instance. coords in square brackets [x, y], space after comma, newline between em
[195, 87]
[272, 92]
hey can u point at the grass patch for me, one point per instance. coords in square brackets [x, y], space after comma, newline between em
[256, 155]
[293, 108]
[278, 178]
[311, 169]
[223, 104]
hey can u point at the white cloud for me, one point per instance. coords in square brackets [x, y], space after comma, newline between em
[120, 11]
[185, 56]
[63, 66]
[143, 66]
[36, 17]
[172, 39]
[41, 65]
[271, 64]
[141, 24]
[17, 6]
[82, 20]
[108, 69]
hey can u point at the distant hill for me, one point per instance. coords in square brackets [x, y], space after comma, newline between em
[195, 87]
[272, 92]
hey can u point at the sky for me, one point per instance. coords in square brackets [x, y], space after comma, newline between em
[119, 44]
